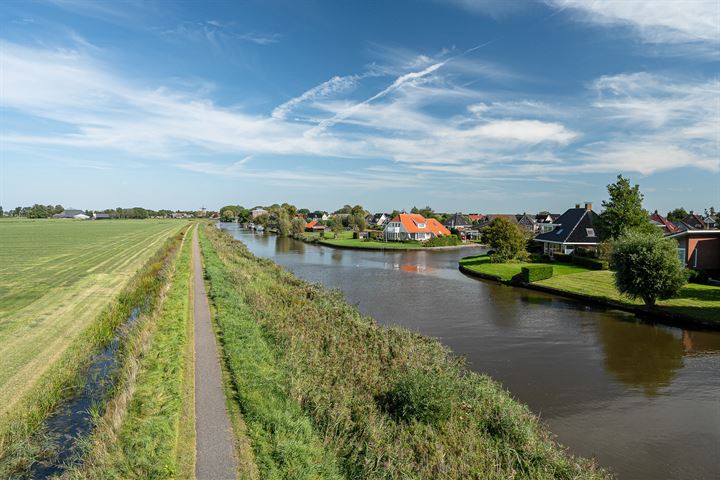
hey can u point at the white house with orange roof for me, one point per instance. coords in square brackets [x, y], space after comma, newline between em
[412, 226]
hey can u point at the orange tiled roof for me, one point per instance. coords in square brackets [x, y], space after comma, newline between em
[311, 224]
[411, 221]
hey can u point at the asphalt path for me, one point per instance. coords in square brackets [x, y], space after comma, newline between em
[214, 436]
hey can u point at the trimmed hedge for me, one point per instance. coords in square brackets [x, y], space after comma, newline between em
[563, 257]
[535, 273]
[591, 263]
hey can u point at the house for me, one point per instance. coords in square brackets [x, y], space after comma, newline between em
[710, 222]
[317, 215]
[663, 223]
[257, 213]
[458, 221]
[101, 216]
[545, 221]
[699, 249]
[413, 226]
[377, 219]
[69, 214]
[527, 222]
[574, 228]
[475, 217]
[694, 221]
[314, 226]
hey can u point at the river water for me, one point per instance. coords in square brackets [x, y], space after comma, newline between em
[644, 400]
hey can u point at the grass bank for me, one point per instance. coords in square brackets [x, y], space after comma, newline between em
[22, 439]
[326, 392]
[695, 302]
[506, 271]
[147, 430]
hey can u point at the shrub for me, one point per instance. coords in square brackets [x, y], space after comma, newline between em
[421, 396]
[646, 266]
[506, 239]
[591, 263]
[697, 276]
[444, 241]
[562, 257]
[534, 273]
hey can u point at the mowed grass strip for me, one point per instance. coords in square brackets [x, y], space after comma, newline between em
[148, 430]
[56, 278]
[694, 300]
[388, 403]
[506, 271]
[282, 436]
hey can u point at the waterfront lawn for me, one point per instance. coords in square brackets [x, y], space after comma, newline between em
[506, 271]
[345, 239]
[695, 300]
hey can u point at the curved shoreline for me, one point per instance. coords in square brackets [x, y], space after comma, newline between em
[660, 317]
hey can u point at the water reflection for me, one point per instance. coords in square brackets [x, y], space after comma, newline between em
[639, 355]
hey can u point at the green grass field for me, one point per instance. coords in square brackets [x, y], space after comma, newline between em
[56, 276]
[695, 300]
[345, 239]
[506, 271]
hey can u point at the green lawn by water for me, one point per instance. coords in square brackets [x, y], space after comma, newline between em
[505, 271]
[695, 300]
[345, 239]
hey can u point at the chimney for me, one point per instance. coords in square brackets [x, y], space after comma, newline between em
[577, 205]
[588, 206]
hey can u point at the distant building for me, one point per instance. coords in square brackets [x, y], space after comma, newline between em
[413, 226]
[69, 214]
[694, 221]
[575, 228]
[699, 249]
[101, 216]
[314, 226]
[663, 223]
[527, 222]
[258, 212]
[377, 219]
[317, 215]
[458, 221]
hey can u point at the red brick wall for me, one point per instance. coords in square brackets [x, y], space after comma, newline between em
[707, 250]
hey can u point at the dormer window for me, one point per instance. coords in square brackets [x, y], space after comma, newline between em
[421, 225]
[590, 232]
[560, 230]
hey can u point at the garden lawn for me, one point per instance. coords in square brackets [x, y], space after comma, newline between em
[694, 300]
[506, 271]
[345, 240]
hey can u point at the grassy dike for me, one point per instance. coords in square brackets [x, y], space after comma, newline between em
[148, 429]
[22, 438]
[327, 393]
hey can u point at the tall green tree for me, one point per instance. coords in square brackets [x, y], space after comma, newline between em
[298, 226]
[283, 222]
[646, 266]
[337, 227]
[227, 215]
[506, 239]
[623, 211]
[677, 214]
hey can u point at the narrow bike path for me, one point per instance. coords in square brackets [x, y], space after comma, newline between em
[215, 446]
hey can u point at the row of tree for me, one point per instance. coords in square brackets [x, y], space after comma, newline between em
[47, 211]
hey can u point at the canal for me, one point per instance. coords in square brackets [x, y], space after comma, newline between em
[644, 400]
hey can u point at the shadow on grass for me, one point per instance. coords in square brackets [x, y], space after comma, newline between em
[703, 294]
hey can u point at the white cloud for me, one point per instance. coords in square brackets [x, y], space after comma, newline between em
[333, 86]
[665, 21]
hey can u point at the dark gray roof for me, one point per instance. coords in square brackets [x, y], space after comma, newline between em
[68, 213]
[457, 220]
[573, 227]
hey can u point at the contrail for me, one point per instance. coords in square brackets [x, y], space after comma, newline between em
[399, 82]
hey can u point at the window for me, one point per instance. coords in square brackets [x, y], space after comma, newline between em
[681, 255]
[559, 231]
[590, 232]
[421, 225]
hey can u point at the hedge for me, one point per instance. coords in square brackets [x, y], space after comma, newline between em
[591, 263]
[534, 273]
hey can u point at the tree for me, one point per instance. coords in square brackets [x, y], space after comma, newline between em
[677, 214]
[345, 209]
[298, 226]
[710, 212]
[37, 211]
[358, 221]
[427, 212]
[262, 219]
[283, 223]
[623, 211]
[227, 215]
[646, 266]
[304, 212]
[506, 239]
[1, 211]
[337, 227]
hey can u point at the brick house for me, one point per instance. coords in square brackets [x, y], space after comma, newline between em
[699, 249]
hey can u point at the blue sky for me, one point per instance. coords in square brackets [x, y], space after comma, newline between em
[463, 105]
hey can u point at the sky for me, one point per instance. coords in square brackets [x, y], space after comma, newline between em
[473, 106]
